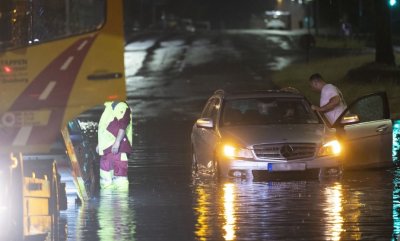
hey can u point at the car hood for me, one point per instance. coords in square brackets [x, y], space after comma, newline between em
[297, 133]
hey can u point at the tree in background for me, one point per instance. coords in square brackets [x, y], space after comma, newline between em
[383, 34]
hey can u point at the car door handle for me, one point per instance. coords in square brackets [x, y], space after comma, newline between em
[381, 129]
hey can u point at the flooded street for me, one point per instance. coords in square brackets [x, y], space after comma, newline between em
[165, 203]
[169, 78]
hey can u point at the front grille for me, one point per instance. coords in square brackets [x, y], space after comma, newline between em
[285, 151]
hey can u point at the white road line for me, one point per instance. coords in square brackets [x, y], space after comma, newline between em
[67, 63]
[46, 92]
[83, 44]
[22, 137]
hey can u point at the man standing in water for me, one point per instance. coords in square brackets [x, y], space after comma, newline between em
[332, 103]
[114, 144]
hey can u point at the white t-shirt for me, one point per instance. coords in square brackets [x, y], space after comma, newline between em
[327, 92]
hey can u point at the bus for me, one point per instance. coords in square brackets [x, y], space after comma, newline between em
[58, 59]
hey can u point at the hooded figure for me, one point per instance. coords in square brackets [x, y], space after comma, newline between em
[114, 144]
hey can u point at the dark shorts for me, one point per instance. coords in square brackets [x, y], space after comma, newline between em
[111, 161]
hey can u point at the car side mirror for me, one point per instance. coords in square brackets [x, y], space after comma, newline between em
[205, 123]
[349, 119]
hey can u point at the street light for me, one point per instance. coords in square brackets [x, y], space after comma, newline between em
[392, 3]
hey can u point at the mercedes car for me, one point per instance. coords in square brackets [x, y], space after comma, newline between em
[276, 132]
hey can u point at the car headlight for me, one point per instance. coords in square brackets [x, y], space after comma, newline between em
[232, 151]
[330, 148]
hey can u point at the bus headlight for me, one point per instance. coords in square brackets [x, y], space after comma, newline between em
[232, 151]
[331, 148]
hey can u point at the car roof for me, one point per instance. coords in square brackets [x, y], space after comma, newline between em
[290, 93]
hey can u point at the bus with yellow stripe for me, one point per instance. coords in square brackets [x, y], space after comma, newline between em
[58, 59]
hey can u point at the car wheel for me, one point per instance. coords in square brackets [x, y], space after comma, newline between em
[195, 167]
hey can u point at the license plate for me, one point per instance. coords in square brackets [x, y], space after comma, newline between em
[277, 167]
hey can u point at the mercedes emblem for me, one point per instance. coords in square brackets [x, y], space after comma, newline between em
[286, 151]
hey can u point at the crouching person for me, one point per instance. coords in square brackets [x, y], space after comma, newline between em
[114, 144]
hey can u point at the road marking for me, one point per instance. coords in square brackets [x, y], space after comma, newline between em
[83, 44]
[46, 92]
[67, 63]
[22, 137]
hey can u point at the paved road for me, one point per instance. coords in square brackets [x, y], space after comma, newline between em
[169, 78]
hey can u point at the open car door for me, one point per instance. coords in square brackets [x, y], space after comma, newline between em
[365, 130]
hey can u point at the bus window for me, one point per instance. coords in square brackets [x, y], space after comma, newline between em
[24, 22]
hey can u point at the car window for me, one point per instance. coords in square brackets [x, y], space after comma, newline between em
[264, 111]
[368, 109]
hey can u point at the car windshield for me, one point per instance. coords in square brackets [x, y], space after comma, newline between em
[265, 111]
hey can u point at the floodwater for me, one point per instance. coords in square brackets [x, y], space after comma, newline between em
[166, 89]
[360, 207]
[164, 202]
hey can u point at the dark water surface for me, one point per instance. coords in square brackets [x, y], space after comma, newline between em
[165, 203]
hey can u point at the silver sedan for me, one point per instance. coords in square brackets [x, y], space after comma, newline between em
[269, 132]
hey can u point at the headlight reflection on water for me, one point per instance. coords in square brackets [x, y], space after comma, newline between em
[206, 213]
[334, 211]
[229, 211]
[202, 220]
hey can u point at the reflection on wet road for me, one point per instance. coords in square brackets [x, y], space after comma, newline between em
[116, 217]
[166, 203]
[166, 91]
[294, 210]
[163, 209]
